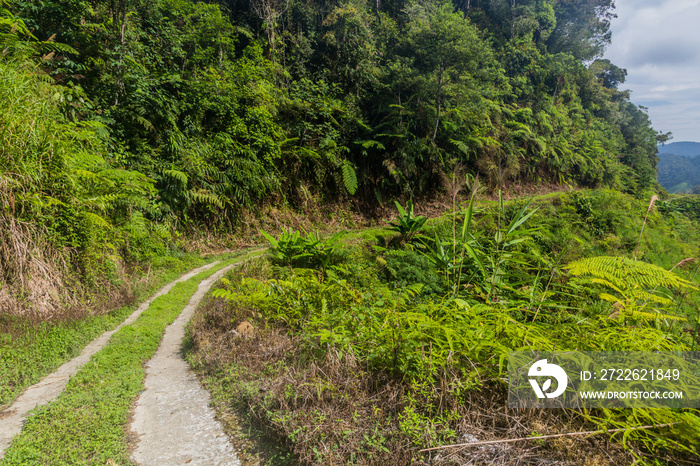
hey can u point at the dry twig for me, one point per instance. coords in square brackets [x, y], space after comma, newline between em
[567, 434]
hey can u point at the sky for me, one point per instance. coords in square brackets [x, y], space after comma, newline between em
[658, 43]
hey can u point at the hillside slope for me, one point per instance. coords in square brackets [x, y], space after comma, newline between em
[684, 148]
[133, 126]
[374, 346]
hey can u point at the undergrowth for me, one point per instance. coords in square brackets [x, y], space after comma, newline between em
[361, 362]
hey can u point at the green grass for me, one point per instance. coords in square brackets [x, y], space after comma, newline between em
[34, 350]
[86, 425]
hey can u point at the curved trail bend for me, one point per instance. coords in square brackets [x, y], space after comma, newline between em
[53, 384]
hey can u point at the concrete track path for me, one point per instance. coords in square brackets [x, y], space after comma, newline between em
[48, 389]
[172, 418]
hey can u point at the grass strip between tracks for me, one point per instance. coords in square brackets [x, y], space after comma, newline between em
[41, 348]
[87, 423]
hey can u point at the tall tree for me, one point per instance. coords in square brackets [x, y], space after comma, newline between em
[583, 27]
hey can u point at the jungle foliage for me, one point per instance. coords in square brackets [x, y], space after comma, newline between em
[125, 123]
[222, 106]
[129, 120]
[513, 276]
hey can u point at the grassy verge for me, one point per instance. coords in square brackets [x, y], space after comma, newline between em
[31, 350]
[254, 444]
[86, 424]
[323, 407]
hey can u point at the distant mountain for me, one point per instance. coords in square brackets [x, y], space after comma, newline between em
[686, 148]
[678, 174]
[679, 166]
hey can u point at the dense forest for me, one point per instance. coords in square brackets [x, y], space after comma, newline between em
[127, 121]
[132, 129]
[679, 174]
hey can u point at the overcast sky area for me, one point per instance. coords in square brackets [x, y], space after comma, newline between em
[658, 43]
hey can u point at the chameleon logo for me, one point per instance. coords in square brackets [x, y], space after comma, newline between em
[542, 369]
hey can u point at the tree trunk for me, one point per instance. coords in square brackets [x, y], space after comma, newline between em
[438, 102]
[120, 71]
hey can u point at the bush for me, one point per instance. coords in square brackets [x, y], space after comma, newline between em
[405, 268]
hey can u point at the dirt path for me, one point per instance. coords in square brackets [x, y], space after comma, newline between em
[172, 418]
[12, 419]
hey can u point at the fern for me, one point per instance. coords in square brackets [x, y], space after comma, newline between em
[464, 148]
[96, 220]
[137, 225]
[655, 315]
[204, 197]
[178, 175]
[626, 273]
[349, 178]
[633, 281]
[371, 143]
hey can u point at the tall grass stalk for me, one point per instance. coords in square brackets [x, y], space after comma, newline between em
[654, 198]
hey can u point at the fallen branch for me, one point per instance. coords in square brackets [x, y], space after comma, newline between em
[568, 434]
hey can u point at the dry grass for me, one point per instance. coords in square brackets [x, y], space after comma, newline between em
[332, 410]
[32, 280]
[328, 218]
[32, 274]
[273, 219]
[36, 282]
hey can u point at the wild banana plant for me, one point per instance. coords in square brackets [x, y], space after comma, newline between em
[407, 224]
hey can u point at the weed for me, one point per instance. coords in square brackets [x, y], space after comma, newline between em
[292, 249]
[498, 285]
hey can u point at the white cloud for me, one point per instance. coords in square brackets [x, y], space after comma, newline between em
[673, 88]
[658, 42]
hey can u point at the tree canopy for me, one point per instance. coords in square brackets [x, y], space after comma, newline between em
[225, 106]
